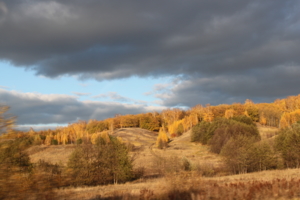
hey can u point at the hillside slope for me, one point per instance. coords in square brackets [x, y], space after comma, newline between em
[145, 151]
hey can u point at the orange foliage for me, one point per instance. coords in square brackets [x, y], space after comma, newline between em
[229, 113]
[162, 139]
[262, 119]
[208, 115]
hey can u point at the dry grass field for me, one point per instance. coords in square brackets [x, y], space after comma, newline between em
[267, 132]
[277, 184]
[144, 151]
[54, 154]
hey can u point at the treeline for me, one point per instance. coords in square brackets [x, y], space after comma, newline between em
[281, 113]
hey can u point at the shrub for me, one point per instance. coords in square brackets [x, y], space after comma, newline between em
[200, 132]
[287, 143]
[79, 141]
[186, 164]
[106, 162]
[54, 142]
[204, 131]
[244, 119]
[180, 129]
[242, 154]
[231, 129]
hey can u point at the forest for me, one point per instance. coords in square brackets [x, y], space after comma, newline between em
[231, 133]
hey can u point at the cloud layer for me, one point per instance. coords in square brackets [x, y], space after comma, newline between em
[224, 51]
[32, 108]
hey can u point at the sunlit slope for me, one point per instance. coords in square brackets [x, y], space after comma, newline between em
[144, 149]
[136, 136]
[55, 154]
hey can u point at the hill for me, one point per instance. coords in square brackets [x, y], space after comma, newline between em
[145, 154]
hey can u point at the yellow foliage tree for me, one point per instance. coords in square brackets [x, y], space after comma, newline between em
[208, 116]
[162, 139]
[37, 140]
[79, 129]
[285, 120]
[94, 137]
[229, 113]
[6, 123]
[295, 116]
[48, 140]
[262, 119]
[105, 136]
[176, 128]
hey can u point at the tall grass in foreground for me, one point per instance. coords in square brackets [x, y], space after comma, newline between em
[190, 186]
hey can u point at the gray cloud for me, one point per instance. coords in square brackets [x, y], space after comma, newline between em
[4, 87]
[3, 12]
[119, 98]
[261, 85]
[113, 96]
[32, 108]
[81, 93]
[230, 50]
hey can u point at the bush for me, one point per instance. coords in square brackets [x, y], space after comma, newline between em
[54, 142]
[244, 119]
[186, 164]
[243, 155]
[221, 130]
[180, 130]
[287, 143]
[79, 141]
[104, 163]
[232, 129]
[201, 133]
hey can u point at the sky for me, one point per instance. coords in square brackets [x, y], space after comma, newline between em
[68, 60]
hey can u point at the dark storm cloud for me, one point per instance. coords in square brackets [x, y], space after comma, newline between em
[32, 108]
[261, 85]
[215, 43]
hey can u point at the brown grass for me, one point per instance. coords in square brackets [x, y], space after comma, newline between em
[267, 132]
[204, 182]
[277, 184]
[144, 152]
[54, 154]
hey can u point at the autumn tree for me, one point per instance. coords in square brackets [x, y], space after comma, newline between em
[229, 113]
[129, 121]
[235, 153]
[6, 121]
[176, 128]
[287, 143]
[224, 130]
[208, 115]
[162, 139]
[169, 116]
[201, 132]
[102, 163]
[243, 154]
[285, 120]
[219, 132]
[94, 126]
[262, 119]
